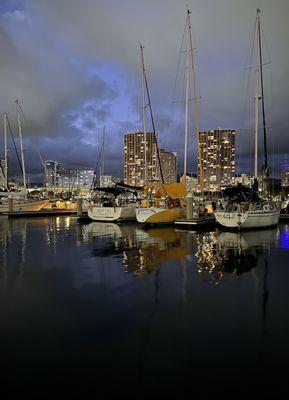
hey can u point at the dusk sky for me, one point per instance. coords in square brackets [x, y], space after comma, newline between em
[75, 67]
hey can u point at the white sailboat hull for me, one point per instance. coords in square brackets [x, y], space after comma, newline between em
[247, 220]
[19, 205]
[111, 214]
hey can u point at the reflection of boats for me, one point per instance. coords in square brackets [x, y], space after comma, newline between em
[142, 251]
[231, 252]
[249, 239]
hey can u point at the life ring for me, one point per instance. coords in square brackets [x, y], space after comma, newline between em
[266, 208]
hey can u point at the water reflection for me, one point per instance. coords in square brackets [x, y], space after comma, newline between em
[232, 252]
[25, 240]
[284, 238]
[81, 303]
[217, 253]
[141, 251]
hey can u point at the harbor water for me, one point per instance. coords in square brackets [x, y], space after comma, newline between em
[117, 309]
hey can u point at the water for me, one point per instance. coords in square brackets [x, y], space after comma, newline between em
[99, 308]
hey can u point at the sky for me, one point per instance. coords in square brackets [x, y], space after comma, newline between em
[74, 66]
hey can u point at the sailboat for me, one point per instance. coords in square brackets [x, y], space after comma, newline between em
[113, 209]
[165, 203]
[197, 214]
[246, 209]
[16, 201]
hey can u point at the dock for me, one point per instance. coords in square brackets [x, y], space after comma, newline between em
[41, 213]
[198, 222]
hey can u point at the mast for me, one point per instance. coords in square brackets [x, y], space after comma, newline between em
[196, 101]
[186, 103]
[266, 172]
[257, 95]
[5, 152]
[144, 113]
[18, 108]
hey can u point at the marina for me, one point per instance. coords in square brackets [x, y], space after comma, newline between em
[144, 199]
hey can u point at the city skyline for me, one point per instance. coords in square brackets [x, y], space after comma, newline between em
[88, 75]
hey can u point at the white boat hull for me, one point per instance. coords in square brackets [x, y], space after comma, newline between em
[247, 220]
[111, 214]
[24, 206]
[158, 215]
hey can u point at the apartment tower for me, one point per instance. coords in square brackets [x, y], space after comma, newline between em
[216, 159]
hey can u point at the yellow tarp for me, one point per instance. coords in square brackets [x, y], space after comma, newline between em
[172, 190]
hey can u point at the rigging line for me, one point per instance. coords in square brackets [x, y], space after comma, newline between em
[176, 79]
[153, 126]
[94, 180]
[14, 144]
[247, 81]
[130, 106]
[249, 61]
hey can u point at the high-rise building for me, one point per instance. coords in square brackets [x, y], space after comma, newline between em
[169, 166]
[52, 174]
[108, 180]
[285, 175]
[216, 159]
[73, 179]
[134, 158]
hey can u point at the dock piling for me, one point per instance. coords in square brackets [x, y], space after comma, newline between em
[10, 204]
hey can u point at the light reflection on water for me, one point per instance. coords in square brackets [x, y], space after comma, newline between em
[142, 303]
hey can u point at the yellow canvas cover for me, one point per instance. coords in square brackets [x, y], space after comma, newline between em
[173, 190]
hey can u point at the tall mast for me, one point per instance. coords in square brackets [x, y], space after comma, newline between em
[5, 152]
[266, 172]
[257, 71]
[18, 107]
[196, 101]
[144, 113]
[186, 101]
